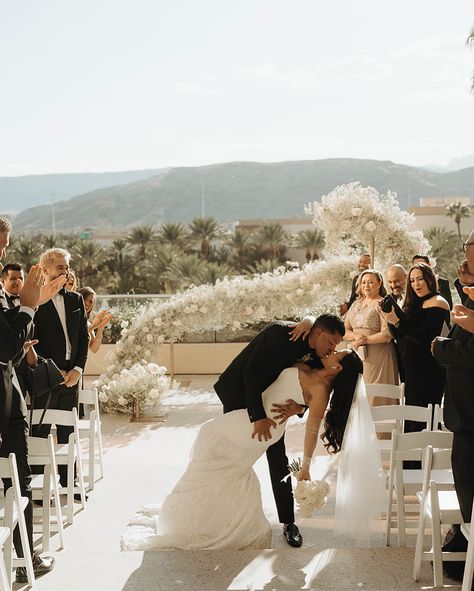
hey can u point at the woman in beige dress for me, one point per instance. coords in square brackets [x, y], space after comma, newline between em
[368, 333]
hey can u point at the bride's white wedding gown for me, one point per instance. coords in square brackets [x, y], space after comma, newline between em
[217, 502]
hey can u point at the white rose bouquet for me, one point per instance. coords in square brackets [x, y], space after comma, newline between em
[310, 495]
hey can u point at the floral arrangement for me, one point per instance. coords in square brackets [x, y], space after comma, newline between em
[310, 495]
[351, 216]
[235, 303]
[142, 383]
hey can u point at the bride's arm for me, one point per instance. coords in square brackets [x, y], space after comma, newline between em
[317, 405]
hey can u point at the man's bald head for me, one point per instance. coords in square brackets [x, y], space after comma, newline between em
[396, 279]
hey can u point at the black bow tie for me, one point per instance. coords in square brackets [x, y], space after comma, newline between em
[62, 291]
[13, 300]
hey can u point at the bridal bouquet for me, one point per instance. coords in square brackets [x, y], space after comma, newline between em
[310, 495]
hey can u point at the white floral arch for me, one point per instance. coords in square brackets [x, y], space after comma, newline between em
[352, 217]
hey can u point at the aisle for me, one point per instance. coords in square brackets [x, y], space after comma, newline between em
[143, 461]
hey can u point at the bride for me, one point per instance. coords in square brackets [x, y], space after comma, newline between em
[217, 502]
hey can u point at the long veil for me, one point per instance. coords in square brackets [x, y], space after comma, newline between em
[361, 494]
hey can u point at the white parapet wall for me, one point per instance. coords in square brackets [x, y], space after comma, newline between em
[180, 358]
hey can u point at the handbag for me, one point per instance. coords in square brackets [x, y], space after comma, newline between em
[44, 377]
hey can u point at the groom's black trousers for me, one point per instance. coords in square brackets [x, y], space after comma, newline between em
[282, 491]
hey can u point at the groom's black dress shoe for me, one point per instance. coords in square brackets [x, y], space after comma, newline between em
[292, 535]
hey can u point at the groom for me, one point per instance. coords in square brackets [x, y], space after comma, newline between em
[256, 367]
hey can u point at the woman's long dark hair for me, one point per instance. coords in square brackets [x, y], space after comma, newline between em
[341, 401]
[412, 301]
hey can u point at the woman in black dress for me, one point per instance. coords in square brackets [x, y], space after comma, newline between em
[422, 319]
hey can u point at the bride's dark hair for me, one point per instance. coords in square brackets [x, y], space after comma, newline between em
[341, 400]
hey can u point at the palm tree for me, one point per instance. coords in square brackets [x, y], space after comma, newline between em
[313, 241]
[25, 251]
[174, 234]
[273, 238]
[184, 271]
[263, 266]
[446, 249]
[242, 247]
[458, 211]
[87, 256]
[142, 236]
[205, 230]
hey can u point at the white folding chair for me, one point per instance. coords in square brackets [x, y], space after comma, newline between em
[467, 530]
[4, 584]
[45, 488]
[438, 505]
[392, 418]
[11, 514]
[409, 446]
[438, 419]
[66, 454]
[393, 391]
[92, 428]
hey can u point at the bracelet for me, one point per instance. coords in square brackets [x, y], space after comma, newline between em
[306, 462]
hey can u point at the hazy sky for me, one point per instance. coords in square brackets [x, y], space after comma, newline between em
[96, 85]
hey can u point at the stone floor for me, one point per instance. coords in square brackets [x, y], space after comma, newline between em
[142, 463]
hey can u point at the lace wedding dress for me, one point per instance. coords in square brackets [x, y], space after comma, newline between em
[217, 502]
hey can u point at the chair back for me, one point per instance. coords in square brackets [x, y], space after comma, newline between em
[397, 392]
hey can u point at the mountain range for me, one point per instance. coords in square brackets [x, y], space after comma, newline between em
[233, 191]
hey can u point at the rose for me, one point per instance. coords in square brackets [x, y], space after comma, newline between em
[370, 226]
[356, 211]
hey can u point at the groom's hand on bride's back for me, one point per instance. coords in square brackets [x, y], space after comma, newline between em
[261, 429]
[285, 411]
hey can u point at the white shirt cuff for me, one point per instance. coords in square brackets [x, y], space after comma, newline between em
[28, 310]
[79, 369]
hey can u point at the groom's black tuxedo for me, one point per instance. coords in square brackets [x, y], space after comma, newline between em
[241, 386]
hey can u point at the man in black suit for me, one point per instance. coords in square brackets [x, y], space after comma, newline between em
[252, 371]
[15, 326]
[456, 353]
[443, 283]
[61, 331]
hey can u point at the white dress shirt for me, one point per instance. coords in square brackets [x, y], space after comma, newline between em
[58, 301]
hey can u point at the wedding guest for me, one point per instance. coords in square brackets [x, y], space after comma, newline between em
[363, 264]
[424, 315]
[97, 323]
[464, 279]
[12, 280]
[397, 285]
[15, 326]
[370, 336]
[443, 283]
[456, 354]
[61, 331]
[71, 283]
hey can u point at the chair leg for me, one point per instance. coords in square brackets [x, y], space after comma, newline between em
[91, 476]
[419, 545]
[70, 492]
[468, 569]
[8, 557]
[437, 552]
[5, 585]
[27, 551]
[401, 516]
[46, 508]
[80, 476]
[99, 444]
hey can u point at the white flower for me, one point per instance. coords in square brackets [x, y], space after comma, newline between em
[157, 321]
[122, 401]
[248, 310]
[177, 322]
[149, 338]
[299, 291]
[153, 394]
[160, 339]
[370, 226]
[187, 310]
[124, 324]
[203, 310]
[356, 211]
[103, 397]
[236, 325]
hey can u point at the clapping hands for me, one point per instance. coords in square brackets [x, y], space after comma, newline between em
[101, 320]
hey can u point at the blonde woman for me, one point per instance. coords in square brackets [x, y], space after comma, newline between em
[367, 331]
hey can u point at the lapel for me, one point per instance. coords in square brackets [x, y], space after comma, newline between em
[68, 307]
[50, 308]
